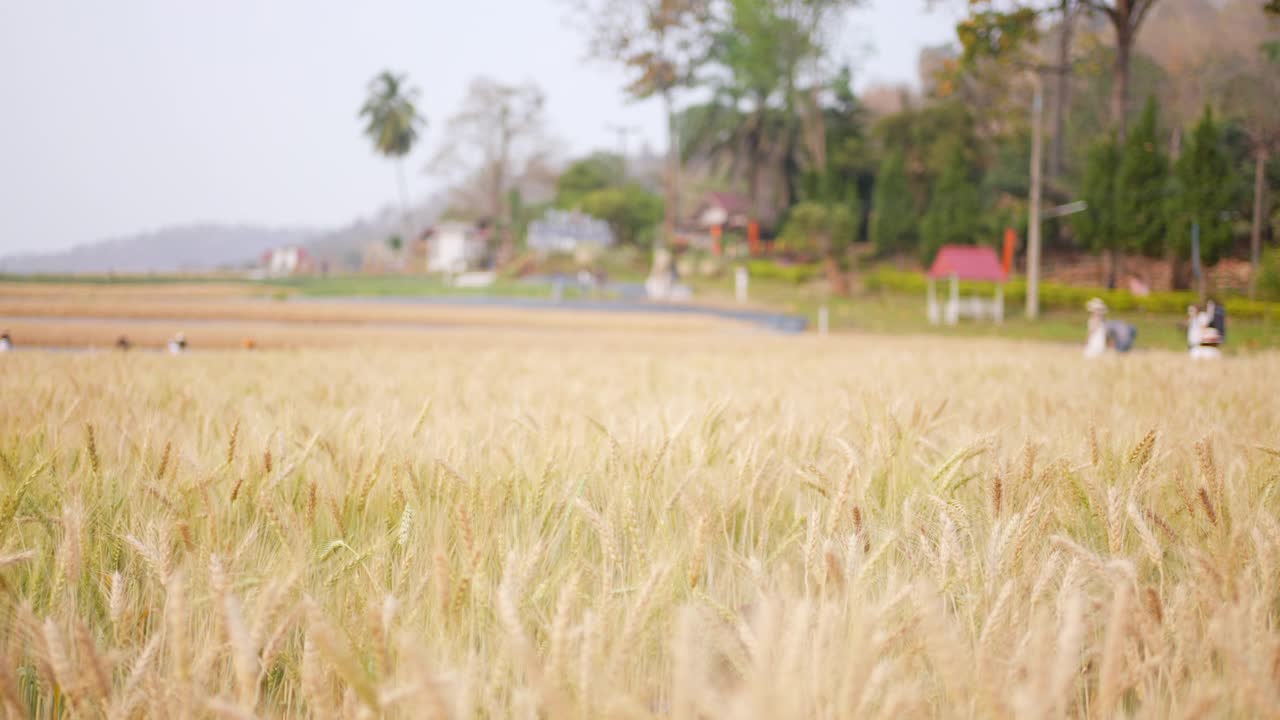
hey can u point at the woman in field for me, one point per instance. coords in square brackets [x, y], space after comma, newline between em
[1096, 341]
[1205, 331]
[1107, 334]
[1195, 324]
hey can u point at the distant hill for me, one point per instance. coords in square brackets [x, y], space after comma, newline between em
[343, 247]
[187, 248]
[212, 246]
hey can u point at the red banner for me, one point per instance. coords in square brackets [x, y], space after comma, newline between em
[1010, 243]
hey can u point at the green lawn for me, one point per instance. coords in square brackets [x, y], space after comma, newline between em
[898, 313]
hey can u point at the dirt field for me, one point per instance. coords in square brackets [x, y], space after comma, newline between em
[222, 320]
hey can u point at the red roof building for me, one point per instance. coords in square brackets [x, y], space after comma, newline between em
[722, 209]
[967, 262]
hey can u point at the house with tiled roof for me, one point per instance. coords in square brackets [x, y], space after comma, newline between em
[725, 210]
[966, 263]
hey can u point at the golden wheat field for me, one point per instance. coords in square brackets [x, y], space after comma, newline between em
[737, 527]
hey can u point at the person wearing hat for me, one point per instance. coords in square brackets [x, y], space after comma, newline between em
[1104, 333]
[1096, 341]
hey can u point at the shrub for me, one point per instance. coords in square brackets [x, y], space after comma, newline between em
[792, 273]
[1074, 297]
[1269, 279]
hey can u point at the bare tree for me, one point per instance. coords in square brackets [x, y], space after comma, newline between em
[1126, 17]
[661, 43]
[1067, 10]
[495, 139]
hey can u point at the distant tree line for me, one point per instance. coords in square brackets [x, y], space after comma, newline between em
[1160, 115]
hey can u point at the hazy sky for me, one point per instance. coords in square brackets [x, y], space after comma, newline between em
[123, 116]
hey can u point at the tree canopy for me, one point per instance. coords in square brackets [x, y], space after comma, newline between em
[760, 103]
[391, 117]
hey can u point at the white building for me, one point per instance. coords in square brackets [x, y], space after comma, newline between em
[284, 261]
[561, 231]
[454, 247]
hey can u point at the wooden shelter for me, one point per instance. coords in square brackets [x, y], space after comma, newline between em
[972, 263]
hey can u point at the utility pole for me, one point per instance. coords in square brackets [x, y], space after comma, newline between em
[624, 132]
[1033, 223]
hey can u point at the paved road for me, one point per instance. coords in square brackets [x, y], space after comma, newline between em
[777, 322]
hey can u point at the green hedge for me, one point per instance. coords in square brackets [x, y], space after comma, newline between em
[1073, 297]
[793, 273]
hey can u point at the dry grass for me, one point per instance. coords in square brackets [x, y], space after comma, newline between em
[758, 528]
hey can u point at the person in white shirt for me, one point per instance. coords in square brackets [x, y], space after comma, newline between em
[1096, 341]
[6, 342]
[178, 344]
[1209, 347]
[1194, 326]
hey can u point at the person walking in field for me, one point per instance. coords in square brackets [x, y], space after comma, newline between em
[178, 344]
[6, 342]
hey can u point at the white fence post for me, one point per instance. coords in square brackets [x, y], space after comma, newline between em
[953, 303]
[935, 316]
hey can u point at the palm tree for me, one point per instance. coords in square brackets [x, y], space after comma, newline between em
[392, 122]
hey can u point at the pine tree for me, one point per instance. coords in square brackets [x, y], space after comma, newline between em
[893, 209]
[1141, 188]
[1097, 225]
[955, 206]
[1203, 191]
